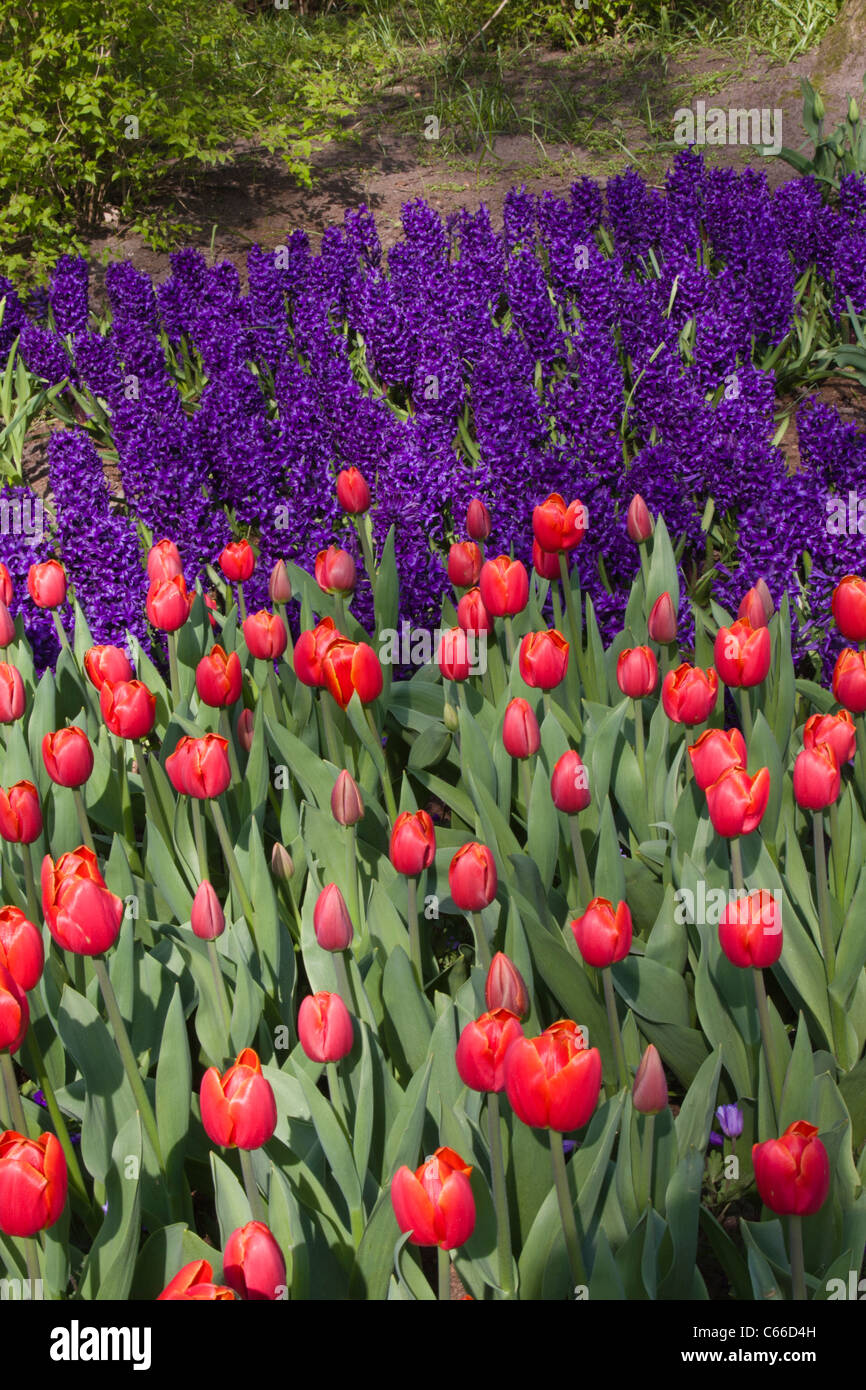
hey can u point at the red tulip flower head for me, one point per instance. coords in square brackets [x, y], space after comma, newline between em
[7, 590]
[335, 571]
[849, 680]
[482, 1048]
[750, 930]
[464, 564]
[238, 561]
[253, 1263]
[742, 654]
[331, 920]
[637, 672]
[558, 527]
[504, 586]
[238, 1110]
[569, 784]
[207, 918]
[817, 777]
[793, 1172]
[553, 1081]
[505, 987]
[219, 678]
[14, 1012]
[689, 694]
[543, 659]
[46, 584]
[12, 699]
[650, 1090]
[520, 732]
[245, 729]
[310, 650]
[279, 584]
[7, 626]
[325, 1027]
[472, 616]
[82, 914]
[352, 668]
[472, 877]
[638, 522]
[836, 730]
[477, 520]
[545, 562]
[107, 664]
[413, 843]
[163, 561]
[128, 708]
[168, 603]
[347, 803]
[453, 656]
[68, 756]
[33, 1183]
[849, 607]
[662, 621]
[737, 802]
[194, 1284]
[715, 752]
[20, 814]
[266, 635]
[353, 494]
[603, 935]
[755, 608]
[200, 767]
[21, 949]
[435, 1202]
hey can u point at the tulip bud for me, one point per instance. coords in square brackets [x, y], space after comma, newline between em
[818, 107]
[817, 777]
[21, 948]
[464, 564]
[413, 843]
[435, 1202]
[472, 877]
[325, 1027]
[477, 520]
[68, 756]
[347, 804]
[163, 561]
[33, 1183]
[238, 1109]
[194, 1284]
[266, 635]
[451, 717]
[472, 615]
[207, 918]
[237, 561]
[603, 936]
[766, 598]
[168, 604]
[853, 110]
[335, 571]
[650, 1090]
[12, 699]
[545, 562]
[7, 627]
[453, 656]
[46, 584]
[279, 585]
[20, 814]
[520, 731]
[849, 680]
[637, 672]
[742, 654]
[752, 608]
[107, 664]
[638, 523]
[849, 607]
[662, 622]
[245, 729]
[7, 591]
[14, 1012]
[200, 767]
[282, 864]
[504, 586]
[730, 1118]
[543, 659]
[505, 987]
[253, 1263]
[331, 920]
[482, 1047]
[750, 930]
[793, 1173]
[737, 802]
[353, 493]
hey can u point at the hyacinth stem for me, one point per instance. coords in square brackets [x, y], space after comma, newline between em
[60, 629]
[414, 934]
[798, 1265]
[226, 731]
[198, 831]
[387, 789]
[836, 854]
[173, 669]
[746, 713]
[583, 879]
[482, 946]
[737, 864]
[509, 640]
[84, 824]
[13, 1098]
[500, 1196]
[220, 987]
[824, 920]
[566, 1209]
[251, 1187]
[30, 883]
[231, 861]
[124, 1047]
[443, 1273]
[764, 1020]
[613, 1025]
[646, 1167]
[41, 1076]
[330, 731]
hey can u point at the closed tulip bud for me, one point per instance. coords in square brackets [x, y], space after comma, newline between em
[12, 699]
[603, 935]
[435, 1202]
[453, 656]
[310, 650]
[211, 606]
[742, 654]
[450, 717]
[464, 564]
[472, 616]
[21, 948]
[662, 621]
[543, 659]
[793, 1173]
[81, 913]
[128, 708]
[237, 561]
[737, 802]
[558, 527]
[7, 591]
[504, 586]
[750, 930]
[477, 520]
[569, 784]
[849, 607]
[238, 1110]
[331, 920]
[553, 1081]
[638, 522]
[68, 756]
[266, 635]
[200, 767]
[14, 1012]
[347, 804]
[325, 1027]
[207, 918]
[107, 664]
[413, 843]
[849, 680]
[817, 777]
[352, 668]
[282, 864]
[752, 609]
[505, 987]
[766, 598]
[715, 752]
[168, 603]
[163, 561]
[7, 627]
[818, 107]
[637, 672]
[481, 1050]
[545, 562]
[353, 493]
[33, 1183]
[335, 571]
[219, 678]
[279, 584]
[689, 694]
[520, 732]
[649, 1093]
[853, 110]
[20, 814]
[472, 877]
[730, 1118]
[836, 730]
[253, 1263]
[245, 729]
[194, 1284]
[46, 584]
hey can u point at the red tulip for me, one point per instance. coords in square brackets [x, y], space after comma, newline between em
[352, 668]
[750, 930]
[849, 680]
[237, 561]
[545, 562]
[163, 561]
[505, 987]
[20, 814]
[128, 708]
[793, 1172]
[504, 586]
[638, 522]
[835, 730]
[33, 1183]
[279, 584]
[200, 767]
[194, 1283]
[21, 948]
[849, 607]
[737, 802]
[168, 603]
[347, 803]
[742, 654]
[637, 672]
[14, 1012]
[753, 608]
[7, 626]
[325, 1027]
[253, 1263]
[453, 656]
[310, 650]
[558, 527]
[46, 584]
[569, 784]
[219, 678]
[715, 752]
[543, 659]
[662, 621]
[81, 913]
[482, 1047]
[211, 606]
[335, 571]
[7, 591]
[331, 920]
[477, 520]
[435, 1202]
[520, 731]
[413, 843]
[244, 729]
[472, 877]
[817, 778]
[266, 635]
[11, 693]
[464, 564]
[649, 1093]
[353, 494]
[689, 694]
[207, 918]
[472, 616]
[602, 935]
[553, 1081]
[107, 664]
[238, 1109]
[68, 756]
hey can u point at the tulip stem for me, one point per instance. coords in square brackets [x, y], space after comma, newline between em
[640, 750]
[482, 948]
[219, 986]
[330, 731]
[251, 1187]
[646, 1176]
[200, 839]
[836, 854]
[443, 1269]
[746, 713]
[583, 879]
[824, 919]
[387, 789]
[226, 730]
[361, 525]
[30, 882]
[566, 1208]
[613, 1025]
[352, 879]
[574, 623]
[414, 934]
[737, 864]
[798, 1266]
[231, 861]
[61, 631]
[509, 640]
[16, 1109]
[83, 822]
[764, 1020]
[345, 988]
[57, 1119]
[242, 604]
[151, 800]
[31, 1255]
[125, 798]
[124, 1047]
[500, 1196]
[526, 780]
[174, 672]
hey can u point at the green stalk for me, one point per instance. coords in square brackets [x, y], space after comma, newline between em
[482, 946]
[220, 987]
[500, 1196]
[83, 823]
[226, 731]
[824, 916]
[362, 525]
[798, 1265]
[352, 884]
[574, 623]
[125, 798]
[583, 878]
[509, 640]
[242, 606]
[646, 1174]
[566, 1210]
[746, 712]
[174, 670]
[330, 731]
[640, 750]
[613, 1026]
[30, 881]
[737, 864]
[231, 861]
[764, 1019]
[836, 854]
[127, 1056]
[443, 1273]
[152, 802]
[414, 934]
[526, 784]
[251, 1187]
[387, 789]
[198, 831]
[60, 629]
[13, 1098]
[41, 1075]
